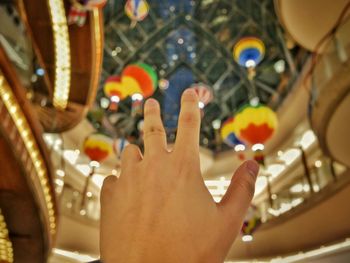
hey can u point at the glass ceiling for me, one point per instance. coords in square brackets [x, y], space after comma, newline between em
[191, 41]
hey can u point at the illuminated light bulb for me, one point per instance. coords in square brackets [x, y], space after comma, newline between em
[258, 147]
[239, 148]
[216, 124]
[137, 97]
[318, 163]
[247, 238]
[94, 164]
[254, 101]
[250, 63]
[115, 99]
[60, 173]
[280, 66]
[201, 105]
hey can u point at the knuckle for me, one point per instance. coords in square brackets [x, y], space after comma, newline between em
[190, 119]
[154, 130]
[131, 148]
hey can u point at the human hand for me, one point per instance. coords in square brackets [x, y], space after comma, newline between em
[159, 210]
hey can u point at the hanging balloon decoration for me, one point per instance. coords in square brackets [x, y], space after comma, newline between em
[77, 15]
[136, 10]
[248, 52]
[115, 91]
[79, 8]
[204, 93]
[251, 222]
[138, 80]
[255, 125]
[229, 137]
[141, 78]
[119, 145]
[142, 81]
[97, 147]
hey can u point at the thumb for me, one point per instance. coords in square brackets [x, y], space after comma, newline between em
[240, 193]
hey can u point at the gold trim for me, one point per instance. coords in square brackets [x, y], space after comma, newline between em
[97, 58]
[6, 250]
[62, 53]
[32, 148]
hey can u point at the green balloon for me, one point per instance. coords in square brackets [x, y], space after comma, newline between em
[151, 72]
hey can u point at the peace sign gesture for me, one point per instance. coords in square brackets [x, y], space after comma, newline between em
[159, 210]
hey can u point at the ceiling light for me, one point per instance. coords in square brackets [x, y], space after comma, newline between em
[297, 188]
[60, 173]
[163, 83]
[180, 41]
[307, 139]
[174, 57]
[260, 184]
[247, 238]
[71, 155]
[318, 163]
[84, 169]
[98, 179]
[40, 72]
[59, 182]
[114, 53]
[280, 66]
[104, 102]
[193, 55]
[82, 212]
[275, 170]
[290, 156]
[216, 124]
[258, 147]
[201, 105]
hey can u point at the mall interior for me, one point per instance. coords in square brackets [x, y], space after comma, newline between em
[273, 82]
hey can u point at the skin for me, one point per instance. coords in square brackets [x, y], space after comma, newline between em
[159, 209]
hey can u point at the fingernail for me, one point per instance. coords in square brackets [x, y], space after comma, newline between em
[151, 103]
[252, 167]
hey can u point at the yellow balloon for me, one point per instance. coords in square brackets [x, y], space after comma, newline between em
[131, 85]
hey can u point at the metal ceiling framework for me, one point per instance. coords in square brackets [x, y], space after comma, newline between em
[208, 30]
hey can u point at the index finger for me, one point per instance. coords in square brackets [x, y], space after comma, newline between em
[187, 139]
